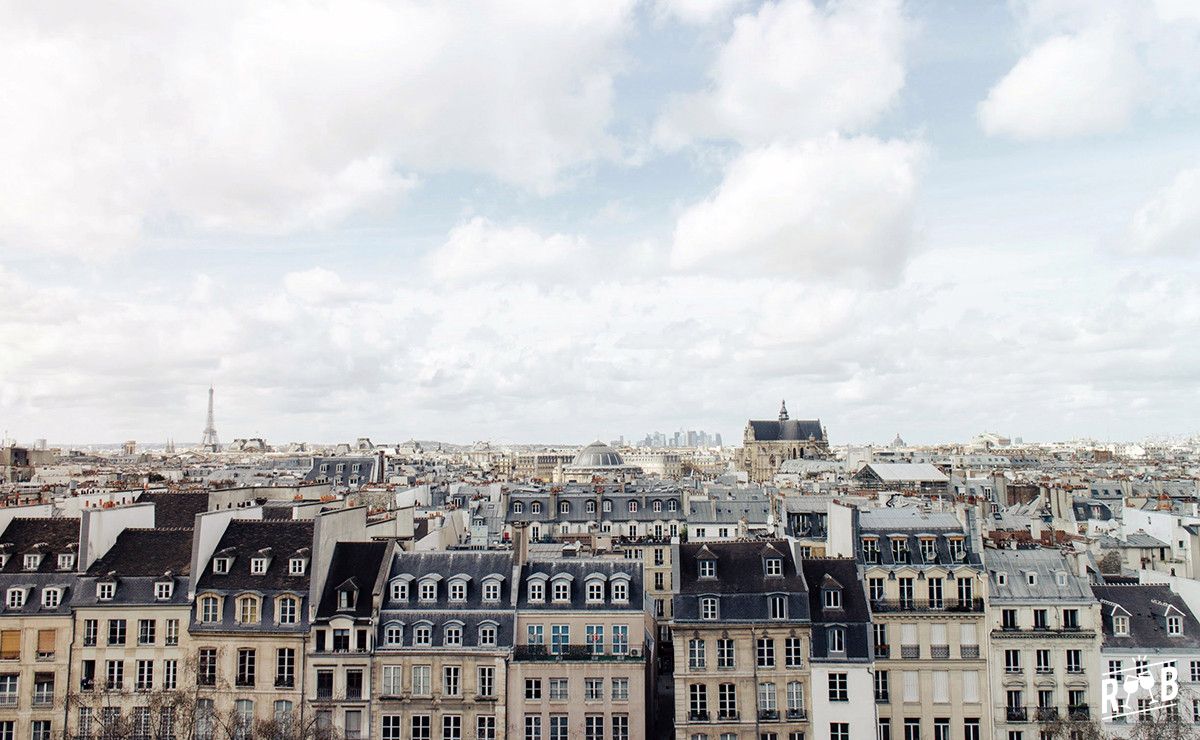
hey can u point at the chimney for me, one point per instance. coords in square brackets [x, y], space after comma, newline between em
[520, 543]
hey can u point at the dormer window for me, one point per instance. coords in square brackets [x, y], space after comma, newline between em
[708, 607]
[562, 591]
[209, 609]
[870, 550]
[423, 635]
[1001, 578]
[837, 640]
[1031, 578]
[929, 550]
[620, 591]
[221, 565]
[957, 552]
[15, 598]
[535, 507]
[66, 561]
[537, 591]
[1174, 625]
[399, 591]
[32, 561]
[672, 505]
[657, 506]
[607, 506]
[105, 590]
[832, 598]
[163, 590]
[347, 598]
[564, 507]
[287, 609]
[1121, 625]
[590, 507]
[428, 590]
[708, 568]
[458, 591]
[491, 590]
[595, 592]
[248, 610]
[900, 550]
[258, 566]
[452, 637]
[633, 507]
[777, 607]
[774, 566]
[487, 636]
[393, 634]
[296, 566]
[518, 508]
[51, 598]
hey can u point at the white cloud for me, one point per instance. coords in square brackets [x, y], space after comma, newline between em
[117, 121]
[479, 249]
[1169, 223]
[697, 12]
[831, 206]
[793, 70]
[1089, 68]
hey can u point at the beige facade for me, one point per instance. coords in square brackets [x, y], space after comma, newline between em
[33, 673]
[439, 688]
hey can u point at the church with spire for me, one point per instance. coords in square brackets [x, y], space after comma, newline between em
[766, 443]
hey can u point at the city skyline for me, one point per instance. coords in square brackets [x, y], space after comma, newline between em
[906, 217]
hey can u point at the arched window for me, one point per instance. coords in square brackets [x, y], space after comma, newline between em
[518, 508]
[535, 507]
[564, 507]
[672, 505]
[458, 591]
[591, 507]
[562, 591]
[399, 591]
[209, 609]
[393, 634]
[248, 609]
[287, 608]
[595, 592]
[452, 636]
[633, 507]
[620, 591]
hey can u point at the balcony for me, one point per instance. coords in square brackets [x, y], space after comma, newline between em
[797, 715]
[8, 699]
[285, 682]
[910, 652]
[883, 651]
[968, 652]
[768, 715]
[882, 697]
[939, 652]
[1079, 712]
[697, 716]
[1016, 714]
[43, 698]
[573, 653]
[206, 680]
[885, 606]
[485, 697]
[730, 716]
[1047, 714]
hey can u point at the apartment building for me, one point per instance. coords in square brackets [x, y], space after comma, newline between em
[843, 706]
[584, 651]
[130, 651]
[1145, 628]
[38, 560]
[1044, 629]
[742, 633]
[444, 635]
[250, 621]
[926, 586]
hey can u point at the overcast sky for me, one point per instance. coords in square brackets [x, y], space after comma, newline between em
[563, 220]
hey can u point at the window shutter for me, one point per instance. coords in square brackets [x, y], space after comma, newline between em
[908, 634]
[912, 688]
[941, 687]
[10, 644]
[937, 635]
[968, 634]
[46, 641]
[970, 681]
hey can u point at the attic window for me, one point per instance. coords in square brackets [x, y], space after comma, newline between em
[833, 598]
[1121, 625]
[1031, 578]
[163, 590]
[1060, 578]
[428, 591]
[708, 568]
[51, 597]
[458, 591]
[347, 597]
[774, 567]
[16, 598]
[929, 550]
[1001, 578]
[221, 565]
[537, 591]
[491, 590]
[562, 591]
[595, 592]
[1174, 625]
[518, 508]
[258, 566]
[620, 591]
[32, 561]
[535, 507]
[105, 590]
[296, 567]
[66, 561]
[399, 591]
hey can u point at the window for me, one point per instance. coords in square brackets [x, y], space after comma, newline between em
[970, 729]
[163, 590]
[875, 587]
[518, 507]
[620, 591]
[209, 609]
[420, 727]
[40, 729]
[206, 667]
[900, 550]
[558, 689]
[114, 674]
[725, 653]
[839, 731]
[486, 681]
[146, 631]
[620, 639]
[777, 607]
[258, 566]
[1012, 661]
[708, 607]
[912, 728]
[560, 638]
[562, 591]
[170, 674]
[399, 590]
[934, 589]
[452, 727]
[144, 677]
[452, 636]
[537, 591]
[1121, 625]
[8, 689]
[767, 706]
[966, 592]
[296, 566]
[487, 636]
[533, 727]
[593, 727]
[491, 592]
[708, 568]
[285, 667]
[593, 689]
[422, 680]
[1174, 625]
[1042, 661]
[533, 689]
[485, 727]
[1074, 661]
[535, 507]
[774, 567]
[882, 694]
[595, 592]
[620, 727]
[870, 549]
[793, 652]
[116, 632]
[727, 701]
[620, 689]
[245, 666]
[423, 635]
[1040, 621]
[428, 591]
[838, 687]
[451, 680]
[833, 598]
[837, 640]
[765, 649]
[1071, 619]
[698, 701]
[288, 607]
[221, 565]
[458, 591]
[941, 729]
[51, 597]
[105, 590]
[248, 609]
[696, 654]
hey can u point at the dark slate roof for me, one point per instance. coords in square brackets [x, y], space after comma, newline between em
[65, 581]
[471, 614]
[824, 573]
[787, 430]
[243, 539]
[359, 562]
[741, 586]
[147, 552]
[131, 591]
[23, 535]
[1147, 606]
[1085, 510]
[176, 509]
[579, 569]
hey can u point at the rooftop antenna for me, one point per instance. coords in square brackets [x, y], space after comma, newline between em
[210, 441]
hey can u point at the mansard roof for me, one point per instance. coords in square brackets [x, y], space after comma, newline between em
[46, 536]
[787, 430]
[1147, 606]
[357, 563]
[242, 541]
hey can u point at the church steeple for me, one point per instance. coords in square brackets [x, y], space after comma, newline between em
[783, 416]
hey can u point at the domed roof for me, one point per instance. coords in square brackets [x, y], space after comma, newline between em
[597, 455]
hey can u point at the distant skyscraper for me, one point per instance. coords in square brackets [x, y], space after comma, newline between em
[210, 441]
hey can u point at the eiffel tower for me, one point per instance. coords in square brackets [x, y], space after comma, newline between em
[210, 441]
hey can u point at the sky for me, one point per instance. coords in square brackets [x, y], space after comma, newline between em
[559, 221]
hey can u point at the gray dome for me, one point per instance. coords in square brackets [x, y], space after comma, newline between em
[597, 455]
